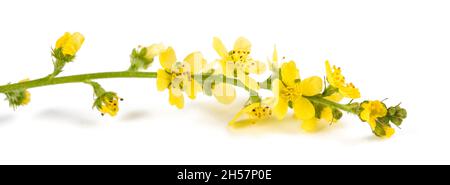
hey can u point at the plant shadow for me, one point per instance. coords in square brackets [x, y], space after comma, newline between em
[67, 116]
[4, 119]
[289, 125]
[135, 115]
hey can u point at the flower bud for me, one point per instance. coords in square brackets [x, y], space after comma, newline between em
[19, 97]
[392, 111]
[142, 57]
[70, 43]
[384, 120]
[401, 113]
[337, 114]
[396, 121]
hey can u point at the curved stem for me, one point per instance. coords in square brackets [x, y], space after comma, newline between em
[46, 81]
[74, 79]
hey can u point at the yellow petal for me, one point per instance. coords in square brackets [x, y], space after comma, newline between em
[275, 56]
[78, 40]
[243, 111]
[224, 93]
[280, 109]
[248, 81]
[372, 123]
[365, 115]
[273, 64]
[72, 44]
[26, 99]
[336, 97]
[176, 98]
[242, 44]
[242, 123]
[108, 110]
[389, 131]
[350, 91]
[195, 62]
[192, 87]
[162, 80]
[154, 50]
[303, 108]
[220, 48]
[280, 104]
[228, 68]
[62, 40]
[289, 73]
[311, 86]
[167, 58]
[310, 125]
[327, 114]
[255, 67]
[328, 70]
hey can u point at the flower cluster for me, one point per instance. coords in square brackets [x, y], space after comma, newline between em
[313, 99]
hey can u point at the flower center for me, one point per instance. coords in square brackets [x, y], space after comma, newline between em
[337, 77]
[179, 74]
[239, 55]
[291, 93]
[261, 112]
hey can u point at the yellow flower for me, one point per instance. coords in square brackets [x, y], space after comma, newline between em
[255, 112]
[290, 89]
[238, 63]
[337, 80]
[109, 104]
[70, 43]
[372, 110]
[178, 76]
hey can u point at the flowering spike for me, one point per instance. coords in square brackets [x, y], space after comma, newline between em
[313, 99]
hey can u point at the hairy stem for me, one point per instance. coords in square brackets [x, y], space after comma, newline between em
[74, 79]
[46, 81]
[323, 101]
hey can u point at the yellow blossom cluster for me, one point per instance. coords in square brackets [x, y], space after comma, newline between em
[311, 99]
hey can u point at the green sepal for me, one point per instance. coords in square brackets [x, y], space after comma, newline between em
[379, 131]
[15, 98]
[138, 60]
[337, 114]
[60, 60]
[329, 90]
[396, 121]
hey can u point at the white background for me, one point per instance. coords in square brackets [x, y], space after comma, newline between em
[389, 49]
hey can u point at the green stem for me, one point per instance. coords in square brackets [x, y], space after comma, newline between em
[46, 81]
[323, 101]
[74, 79]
